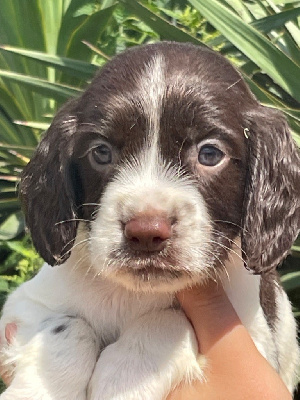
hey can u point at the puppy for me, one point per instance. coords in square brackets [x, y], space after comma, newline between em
[144, 185]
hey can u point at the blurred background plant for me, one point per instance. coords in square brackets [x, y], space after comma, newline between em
[49, 51]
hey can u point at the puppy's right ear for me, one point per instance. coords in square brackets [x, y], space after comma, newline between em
[47, 192]
[271, 215]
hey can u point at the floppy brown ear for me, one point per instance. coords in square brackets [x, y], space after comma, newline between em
[271, 214]
[47, 192]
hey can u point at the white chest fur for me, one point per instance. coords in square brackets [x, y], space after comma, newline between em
[130, 325]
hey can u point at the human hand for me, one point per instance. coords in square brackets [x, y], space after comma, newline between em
[209, 311]
[235, 369]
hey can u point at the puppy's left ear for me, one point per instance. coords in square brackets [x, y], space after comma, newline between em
[47, 191]
[271, 211]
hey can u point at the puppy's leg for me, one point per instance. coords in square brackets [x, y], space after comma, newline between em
[56, 364]
[152, 355]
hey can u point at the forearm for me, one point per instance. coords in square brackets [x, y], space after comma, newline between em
[235, 369]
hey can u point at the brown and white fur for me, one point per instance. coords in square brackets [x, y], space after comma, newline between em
[164, 173]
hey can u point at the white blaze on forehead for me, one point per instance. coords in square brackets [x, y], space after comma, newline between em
[145, 92]
[151, 87]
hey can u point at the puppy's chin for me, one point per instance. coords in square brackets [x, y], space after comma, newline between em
[144, 280]
[150, 273]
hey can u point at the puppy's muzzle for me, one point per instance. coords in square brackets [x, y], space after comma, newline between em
[148, 232]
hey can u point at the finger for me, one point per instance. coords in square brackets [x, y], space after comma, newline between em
[202, 295]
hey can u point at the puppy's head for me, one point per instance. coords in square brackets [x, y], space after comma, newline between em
[166, 158]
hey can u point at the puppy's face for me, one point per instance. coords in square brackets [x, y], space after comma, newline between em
[164, 164]
[155, 159]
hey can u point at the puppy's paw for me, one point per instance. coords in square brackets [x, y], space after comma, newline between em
[150, 358]
[56, 364]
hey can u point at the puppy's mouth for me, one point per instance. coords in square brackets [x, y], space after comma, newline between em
[152, 273]
[148, 266]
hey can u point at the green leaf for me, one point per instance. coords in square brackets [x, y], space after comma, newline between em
[8, 133]
[11, 204]
[4, 286]
[80, 69]
[21, 23]
[12, 227]
[46, 88]
[10, 104]
[8, 146]
[19, 248]
[43, 126]
[76, 29]
[276, 21]
[96, 50]
[253, 44]
[158, 24]
[239, 7]
[291, 281]
[86, 9]
[107, 3]
[285, 1]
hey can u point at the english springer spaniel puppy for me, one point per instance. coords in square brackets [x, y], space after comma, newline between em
[144, 185]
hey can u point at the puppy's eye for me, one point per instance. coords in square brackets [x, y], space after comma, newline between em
[210, 155]
[102, 154]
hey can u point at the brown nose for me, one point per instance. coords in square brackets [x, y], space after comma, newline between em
[148, 232]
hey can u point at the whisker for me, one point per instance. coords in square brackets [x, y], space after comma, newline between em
[229, 250]
[230, 240]
[217, 273]
[73, 246]
[232, 223]
[79, 261]
[90, 204]
[105, 264]
[218, 259]
[72, 220]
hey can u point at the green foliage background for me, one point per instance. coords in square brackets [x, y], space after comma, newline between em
[49, 51]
